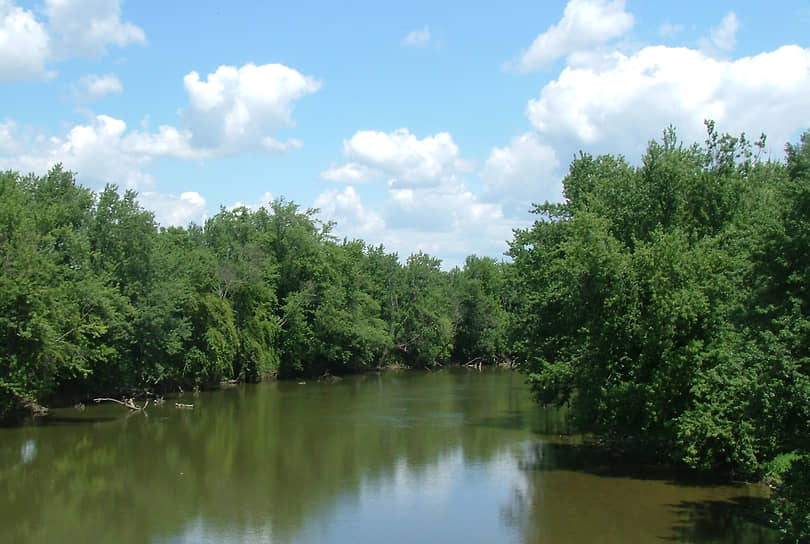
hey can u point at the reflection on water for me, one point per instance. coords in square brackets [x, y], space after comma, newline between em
[573, 494]
[28, 451]
[451, 456]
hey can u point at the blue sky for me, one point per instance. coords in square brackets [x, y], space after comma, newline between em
[422, 125]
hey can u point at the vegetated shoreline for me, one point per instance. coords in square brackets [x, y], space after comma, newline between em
[669, 304]
[98, 298]
[31, 410]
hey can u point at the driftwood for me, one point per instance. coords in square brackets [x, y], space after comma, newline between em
[476, 363]
[129, 403]
[181, 406]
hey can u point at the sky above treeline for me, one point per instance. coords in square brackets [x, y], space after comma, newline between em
[427, 126]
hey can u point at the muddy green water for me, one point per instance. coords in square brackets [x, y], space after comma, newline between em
[449, 456]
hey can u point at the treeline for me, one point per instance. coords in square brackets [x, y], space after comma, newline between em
[95, 297]
[669, 305]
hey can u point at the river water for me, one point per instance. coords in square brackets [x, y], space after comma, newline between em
[447, 456]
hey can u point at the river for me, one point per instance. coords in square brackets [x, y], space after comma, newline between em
[446, 456]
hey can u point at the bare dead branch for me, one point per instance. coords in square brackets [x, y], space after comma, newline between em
[128, 403]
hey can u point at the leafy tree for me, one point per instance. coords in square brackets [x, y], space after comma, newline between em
[481, 320]
[54, 313]
[246, 276]
[421, 322]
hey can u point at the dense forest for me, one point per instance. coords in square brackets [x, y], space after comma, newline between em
[666, 303]
[95, 297]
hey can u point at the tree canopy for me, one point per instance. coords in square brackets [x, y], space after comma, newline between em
[96, 297]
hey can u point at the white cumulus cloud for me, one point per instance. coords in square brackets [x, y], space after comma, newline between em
[87, 27]
[8, 142]
[174, 210]
[354, 220]
[24, 45]
[83, 28]
[244, 107]
[617, 109]
[439, 209]
[95, 87]
[103, 151]
[241, 109]
[168, 141]
[427, 205]
[523, 172]
[450, 222]
[400, 158]
[234, 110]
[585, 24]
[351, 173]
[96, 150]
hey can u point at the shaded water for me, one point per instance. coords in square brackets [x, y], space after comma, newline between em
[450, 456]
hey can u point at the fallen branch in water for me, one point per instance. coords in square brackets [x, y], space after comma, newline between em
[129, 403]
[476, 363]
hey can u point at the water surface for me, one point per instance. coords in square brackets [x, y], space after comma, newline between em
[448, 456]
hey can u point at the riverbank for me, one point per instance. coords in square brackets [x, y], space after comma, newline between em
[31, 409]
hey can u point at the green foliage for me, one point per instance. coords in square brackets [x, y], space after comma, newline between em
[246, 274]
[421, 323]
[95, 298]
[668, 305]
[481, 319]
[791, 503]
[214, 340]
[53, 310]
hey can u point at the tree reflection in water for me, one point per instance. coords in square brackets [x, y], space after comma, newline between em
[575, 492]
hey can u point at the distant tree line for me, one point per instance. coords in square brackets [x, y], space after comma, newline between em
[95, 297]
[667, 304]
